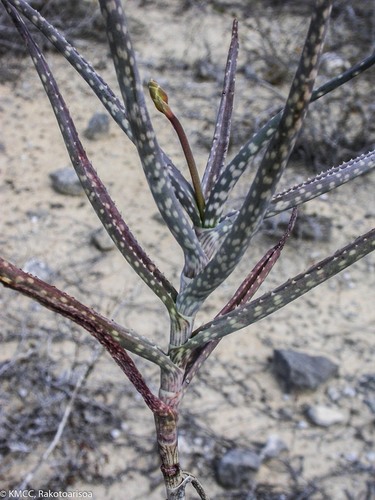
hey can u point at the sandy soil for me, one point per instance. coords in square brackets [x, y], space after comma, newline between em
[236, 399]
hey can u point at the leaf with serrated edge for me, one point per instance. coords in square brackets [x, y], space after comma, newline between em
[281, 296]
[93, 186]
[269, 172]
[237, 166]
[112, 336]
[253, 281]
[83, 67]
[145, 139]
[322, 183]
[221, 137]
[243, 294]
[107, 98]
[62, 303]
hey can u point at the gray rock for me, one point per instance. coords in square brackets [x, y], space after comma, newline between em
[273, 447]
[370, 402]
[65, 181]
[102, 240]
[334, 394]
[38, 268]
[324, 416]
[236, 467]
[302, 371]
[333, 64]
[367, 382]
[97, 127]
[366, 387]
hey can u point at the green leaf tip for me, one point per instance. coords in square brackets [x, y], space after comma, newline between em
[160, 98]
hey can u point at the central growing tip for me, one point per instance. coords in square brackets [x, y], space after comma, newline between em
[160, 99]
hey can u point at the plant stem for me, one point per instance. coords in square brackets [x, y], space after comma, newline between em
[166, 432]
[190, 162]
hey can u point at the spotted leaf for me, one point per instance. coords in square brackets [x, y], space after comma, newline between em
[109, 100]
[243, 294]
[145, 139]
[66, 305]
[240, 163]
[221, 137]
[270, 170]
[271, 302]
[93, 186]
[322, 183]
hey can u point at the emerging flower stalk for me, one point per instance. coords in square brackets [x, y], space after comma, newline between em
[160, 99]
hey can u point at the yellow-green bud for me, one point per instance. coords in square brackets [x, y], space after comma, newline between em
[159, 97]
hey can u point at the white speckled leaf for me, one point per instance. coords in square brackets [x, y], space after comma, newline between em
[109, 100]
[239, 164]
[270, 170]
[93, 186]
[322, 183]
[145, 139]
[281, 296]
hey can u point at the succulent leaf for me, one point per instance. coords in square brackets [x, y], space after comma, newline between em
[253, 281]
[322, 183]
[92, 321]
[83, 67]
[145, 140]
[270, 302]
[221, 137]
[112, 104]
[270, 170]
[243, 294]
[239, 164]
[93, 186]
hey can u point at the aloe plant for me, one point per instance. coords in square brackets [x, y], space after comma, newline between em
[212, 240]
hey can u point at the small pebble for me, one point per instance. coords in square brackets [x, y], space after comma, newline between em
[333, 394]
[349, 391]
[351, 456]
[115, 433]
[333, 64]
[102, 240]
[65, 181]
[273, 447]
[236, 466]
[23, 392]
[38, 268]
[325, 416]
[302, 425]
[97, 127]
